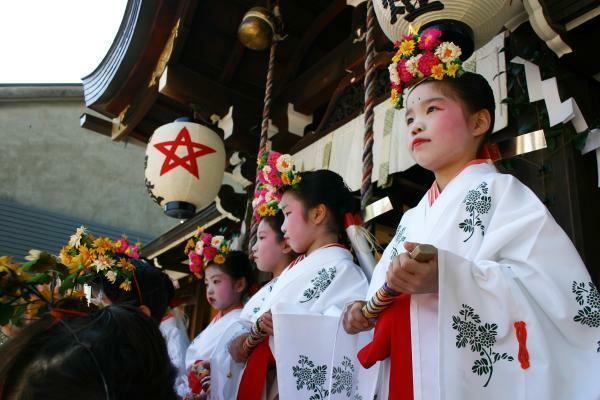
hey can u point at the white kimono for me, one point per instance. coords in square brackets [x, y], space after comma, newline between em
[203, 346]
[502, 259]
[177, 343]
[315, 357]
[225, 373]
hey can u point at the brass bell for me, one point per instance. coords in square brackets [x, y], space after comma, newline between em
[257, 28]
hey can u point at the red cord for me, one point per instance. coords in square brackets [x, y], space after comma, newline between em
[137, 285]
[521, 332]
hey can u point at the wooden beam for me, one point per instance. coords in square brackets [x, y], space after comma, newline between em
[130, 61]
[329, 70]
[232, 63]
[93, 123]
[188, 87]
[380, 59]
[104, 126]
[314, 87]
[179, 234]
[311, 34]
[128, 119]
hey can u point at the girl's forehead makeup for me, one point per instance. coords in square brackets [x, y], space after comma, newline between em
[283, 204]
[214, 274]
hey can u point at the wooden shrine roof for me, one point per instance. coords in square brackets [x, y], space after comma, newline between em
[208, 70]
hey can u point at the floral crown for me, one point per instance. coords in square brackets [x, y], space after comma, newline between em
[276, 171]
[204, 248]
[265, 203]
[32, 289]
[44, 282]
[92, 256]
[422, 57]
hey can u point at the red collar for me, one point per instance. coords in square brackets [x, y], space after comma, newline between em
[434, 191]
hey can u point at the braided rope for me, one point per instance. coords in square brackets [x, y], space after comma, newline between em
[385, 295]
[264, 133]
[255, 337]
[366, 189]
[379, 302]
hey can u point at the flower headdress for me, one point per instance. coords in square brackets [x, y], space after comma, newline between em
[90, 256]
[422, 57]
[276, 171]
[204, 248]
[44, 282]
[34, 288]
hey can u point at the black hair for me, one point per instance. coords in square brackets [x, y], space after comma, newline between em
[237, 265]
[155, 291]
[73, 357]
[326, 187]
[474, 91]
[275, 222]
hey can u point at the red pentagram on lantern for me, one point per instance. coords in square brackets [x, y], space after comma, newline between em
[194, 150]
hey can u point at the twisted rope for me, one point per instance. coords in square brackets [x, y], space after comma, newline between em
[366, 189]
[256, 336]
[264, 133]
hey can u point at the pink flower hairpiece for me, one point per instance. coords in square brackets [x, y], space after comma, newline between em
[204, 248]
[422, 57]
[276, 171]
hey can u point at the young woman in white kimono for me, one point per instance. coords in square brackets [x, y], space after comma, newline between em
[507, 309]
[227, 279]
[301, 315]
[173, 329]
[272, 255]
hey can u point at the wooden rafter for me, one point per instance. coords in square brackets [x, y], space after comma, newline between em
[232, 63]
[309, 37]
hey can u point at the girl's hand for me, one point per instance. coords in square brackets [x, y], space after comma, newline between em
[236, 348]
[406, 275]
[265, 322]
[354, 320]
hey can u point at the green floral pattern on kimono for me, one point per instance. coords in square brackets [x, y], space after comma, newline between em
[319, 283]
[588, 297]
[399, 237]
[257, 309]
[344, 379]
[477, 203]
[481, 337]
[312, 377]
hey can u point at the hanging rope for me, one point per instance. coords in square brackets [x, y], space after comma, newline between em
[264, 133]
[366, 189]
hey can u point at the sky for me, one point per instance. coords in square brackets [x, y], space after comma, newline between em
[55, 41]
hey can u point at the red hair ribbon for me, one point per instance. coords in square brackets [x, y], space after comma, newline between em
[521, 332]
[58, 313]
[352, 219]
[348, 220]
[137, 286]
[491, 151]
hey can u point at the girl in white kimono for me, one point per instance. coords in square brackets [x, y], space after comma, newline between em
[227, 276]
[272, 255]
[173, 329]
[302, 313]
[506, 309]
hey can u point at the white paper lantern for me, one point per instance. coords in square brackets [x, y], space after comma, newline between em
[484, 17]
[185, 163]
